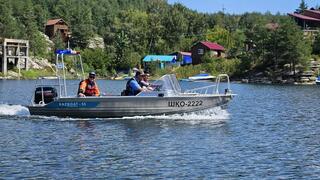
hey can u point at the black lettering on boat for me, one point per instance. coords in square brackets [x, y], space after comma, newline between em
[189, 103]
[177, 104]
[198, 103]
[170, 104]
[182, 103]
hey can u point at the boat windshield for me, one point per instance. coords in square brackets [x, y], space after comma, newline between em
[167, 83]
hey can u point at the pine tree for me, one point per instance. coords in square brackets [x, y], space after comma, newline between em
[9, 27]
[303, 6]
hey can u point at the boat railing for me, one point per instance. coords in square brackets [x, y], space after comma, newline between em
[202, 90]
[212, 89]
[218, 80]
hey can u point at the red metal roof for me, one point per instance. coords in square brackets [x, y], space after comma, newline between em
[313, 11]
[53, 21]
[213, 46]
[300, 16]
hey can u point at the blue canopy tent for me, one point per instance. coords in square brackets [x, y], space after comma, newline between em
[186, 59]
[164, 60]
[183, 57]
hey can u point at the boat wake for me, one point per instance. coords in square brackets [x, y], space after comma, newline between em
[13, 110]
[214, 115]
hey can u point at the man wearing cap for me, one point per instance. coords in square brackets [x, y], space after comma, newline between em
[89, 87]
[133, 87]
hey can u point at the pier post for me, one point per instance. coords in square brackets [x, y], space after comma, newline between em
[4, 59]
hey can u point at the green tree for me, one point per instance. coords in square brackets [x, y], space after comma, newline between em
[316, 45]
[121, 48]
[82, 27]
[293, 47]
[9, 27]
[97, 60]
[58, 41]
[134, 24]
[220, 36]
[41, 16]
[238, 47]
[175, 26]
[154, 34]
[302, 6]
[27, 18]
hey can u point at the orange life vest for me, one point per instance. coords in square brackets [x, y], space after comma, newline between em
[89, 88]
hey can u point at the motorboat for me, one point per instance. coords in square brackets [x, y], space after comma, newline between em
[202, 77]
[165, 98]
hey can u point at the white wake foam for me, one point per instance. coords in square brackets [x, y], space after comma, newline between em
[13, 110]
[214, 115]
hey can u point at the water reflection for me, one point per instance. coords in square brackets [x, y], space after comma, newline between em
[82, 124]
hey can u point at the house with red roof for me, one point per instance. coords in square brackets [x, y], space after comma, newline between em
[308, 19]
[55, 26]
[205, 47]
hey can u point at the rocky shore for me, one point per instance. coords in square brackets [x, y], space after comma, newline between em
[34, 63]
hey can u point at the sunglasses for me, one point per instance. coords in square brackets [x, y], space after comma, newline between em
[92, 77]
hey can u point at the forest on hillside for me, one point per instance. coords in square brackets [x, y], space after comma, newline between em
[131, 29]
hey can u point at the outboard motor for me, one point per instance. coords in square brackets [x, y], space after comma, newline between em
[49, 93]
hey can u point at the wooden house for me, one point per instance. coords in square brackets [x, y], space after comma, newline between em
[308, 19]
[55, 26]
[202, 48]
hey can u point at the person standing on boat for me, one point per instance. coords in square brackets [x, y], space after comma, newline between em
[89, 87]
[133, 86]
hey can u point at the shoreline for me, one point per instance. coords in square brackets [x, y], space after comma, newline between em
[232, 81]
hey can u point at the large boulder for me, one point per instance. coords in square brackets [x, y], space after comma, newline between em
[96, 42]
[39, 63]
[11, 75]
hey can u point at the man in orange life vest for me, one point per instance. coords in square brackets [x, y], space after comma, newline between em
[89, 87]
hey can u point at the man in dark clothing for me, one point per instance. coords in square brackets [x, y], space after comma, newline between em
[133, 87]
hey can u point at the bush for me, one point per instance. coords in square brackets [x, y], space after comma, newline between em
[160, 72]
[214, 66]
[187, 71]
[222, 66]
[97, 60]
[33, 74]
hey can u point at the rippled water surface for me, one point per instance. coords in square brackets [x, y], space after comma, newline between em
[266, 132]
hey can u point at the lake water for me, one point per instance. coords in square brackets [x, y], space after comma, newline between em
[267, 131]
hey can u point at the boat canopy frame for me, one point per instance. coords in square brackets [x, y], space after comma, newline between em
[214, 89]
[61, 69]
[169, 86]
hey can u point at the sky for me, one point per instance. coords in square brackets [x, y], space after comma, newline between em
[242, 6]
